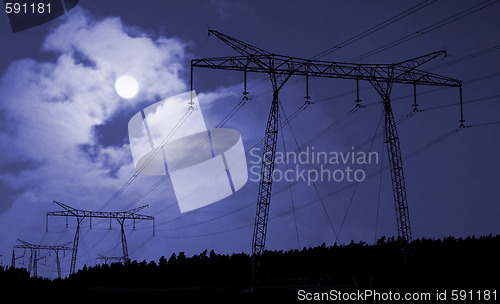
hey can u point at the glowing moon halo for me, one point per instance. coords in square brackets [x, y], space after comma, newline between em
[126, 86]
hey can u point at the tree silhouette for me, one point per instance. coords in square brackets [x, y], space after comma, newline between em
[470, 263]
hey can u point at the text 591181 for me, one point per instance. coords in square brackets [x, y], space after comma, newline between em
[24, 8]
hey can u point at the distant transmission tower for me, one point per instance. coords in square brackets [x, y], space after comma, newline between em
[35, 255]
[108, 258]
[80, 215]
[280, 68]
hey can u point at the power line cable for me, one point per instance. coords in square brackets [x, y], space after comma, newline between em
[345, 43]
[373, 174]
[228, 116]
[457, 19]
[314, 183]
[427, 29]
[148, 160]
[289, 184]
[402, 40]
[357, 147]
[375, 28]
[363, 167]
[379, 196]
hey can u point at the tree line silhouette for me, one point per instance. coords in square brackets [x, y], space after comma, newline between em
[469, 263]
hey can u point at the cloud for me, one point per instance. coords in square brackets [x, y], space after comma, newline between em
[50, 111]
[53, 116]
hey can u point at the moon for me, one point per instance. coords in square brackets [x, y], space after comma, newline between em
[126, 86]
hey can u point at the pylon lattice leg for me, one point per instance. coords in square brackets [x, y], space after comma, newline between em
[265, 185]
[397, 176]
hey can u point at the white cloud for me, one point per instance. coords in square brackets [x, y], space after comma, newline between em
[52, 108]
[51, 111]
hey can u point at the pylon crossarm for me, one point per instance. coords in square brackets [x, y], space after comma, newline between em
[420, 60]
[239, 46]
[129, 214]
[131, 211]
[42, 247]
[283, 65]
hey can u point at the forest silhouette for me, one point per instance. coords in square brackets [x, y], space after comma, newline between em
[470, 263]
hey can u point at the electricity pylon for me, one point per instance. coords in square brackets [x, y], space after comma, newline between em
[80, 215]
[280, 68]
[34, 255]
[108, 258]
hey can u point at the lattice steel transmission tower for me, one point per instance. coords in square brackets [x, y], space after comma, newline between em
[80, 215]
[108, 258]
[35, 255]
[280, 68]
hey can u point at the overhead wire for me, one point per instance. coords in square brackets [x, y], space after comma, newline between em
[348, 41]
[161, 181]
[165, 177]
[467, 57]
[345, 43]
[379, 196]
[330, 127]
[375, 28]
[462, 17]
[404, 39]
[484, 124]
[280, 127]
[314, 183]
[335, 192]
[399, 121]
[481, 78]
[243, 157]
[357, 184]
[148, 160]
[289, 184]
[356, 147]
[427, 29]
[368, 176]
[434, 26]
[205, 139]
[287, 121]
[456, 104]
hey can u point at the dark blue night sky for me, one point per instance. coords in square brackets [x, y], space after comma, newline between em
[64, 136]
